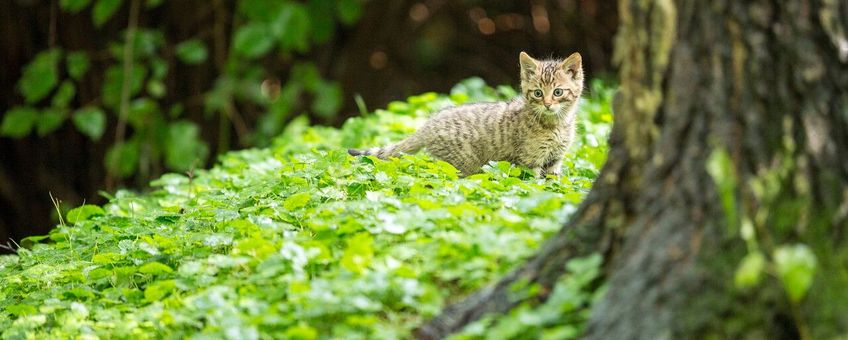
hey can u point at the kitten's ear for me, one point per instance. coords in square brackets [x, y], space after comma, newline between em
[528, 64]
[573, 65]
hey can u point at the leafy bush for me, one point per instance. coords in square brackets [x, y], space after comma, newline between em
[136, 66]
[300, 240]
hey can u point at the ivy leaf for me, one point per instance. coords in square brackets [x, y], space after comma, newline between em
[77, 64]
[18, 121]
[90, 121]
[40, 76]
[121, 159]
[103, 10]
[49, 120]
[252, 40]
[184, 149]
[84, 213]
[192, 51]
[795, 266]
[74, 6]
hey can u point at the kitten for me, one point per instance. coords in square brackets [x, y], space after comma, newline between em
[532, 130]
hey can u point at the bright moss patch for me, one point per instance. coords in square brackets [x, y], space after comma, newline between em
[300, 240]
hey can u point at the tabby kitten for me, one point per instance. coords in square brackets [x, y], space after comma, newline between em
[533, 130]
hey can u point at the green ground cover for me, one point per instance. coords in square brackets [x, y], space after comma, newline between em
[300, 240]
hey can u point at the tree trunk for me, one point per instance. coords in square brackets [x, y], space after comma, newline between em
[731, 138]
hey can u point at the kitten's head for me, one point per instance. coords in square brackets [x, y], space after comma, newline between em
[551, 87]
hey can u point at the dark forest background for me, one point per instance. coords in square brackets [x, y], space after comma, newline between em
[86, 113]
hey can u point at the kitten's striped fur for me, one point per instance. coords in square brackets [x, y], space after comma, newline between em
[529, 130]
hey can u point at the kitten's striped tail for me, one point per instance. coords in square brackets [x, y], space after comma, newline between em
[407, 146]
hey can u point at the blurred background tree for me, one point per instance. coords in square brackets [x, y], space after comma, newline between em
[101, 94]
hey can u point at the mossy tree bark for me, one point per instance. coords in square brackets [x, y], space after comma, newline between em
[731, 138]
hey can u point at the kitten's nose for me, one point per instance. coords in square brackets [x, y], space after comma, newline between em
[548, 105]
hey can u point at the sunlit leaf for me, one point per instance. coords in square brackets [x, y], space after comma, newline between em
[252, 40]
[750, 270]
[191, 51]
[84, 212]
[40, 76]
[796, 265]
[18, 121]
[77, 64]
[49, 120]
[90, 121]
[64, 94]
[155, 268]
[103, 10]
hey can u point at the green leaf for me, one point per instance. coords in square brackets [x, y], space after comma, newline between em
[64, 94]
[155, 88]
[184, 149]
[21, 310]
[74, 6]
[40, 75]
[77, 64]
[795, 266]
[192, 51]
[159, 289]
[359, 253]
[90, 121]
[297, 201]
[301, 332]
[84, 213]
[114, 81]
[292, 27]
[349, 11]
[121, 159]
[155, 268]
[750, 269]
[153, 3]
[252, 40]
[106, 258]
[103, 10]
[49, 120]
[328, 99]
[18, 121]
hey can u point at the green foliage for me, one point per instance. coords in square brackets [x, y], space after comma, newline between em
[18, 122]
[562, 316]
[795, 266]
[91, 121]
[301, 240]
[192, 51]
[261, 29]
[40, 76]
[103, 10]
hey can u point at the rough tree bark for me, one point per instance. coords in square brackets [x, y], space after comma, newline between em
[763, 82]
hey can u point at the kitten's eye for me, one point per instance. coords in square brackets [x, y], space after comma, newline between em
[537, 93]
[557, 92]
